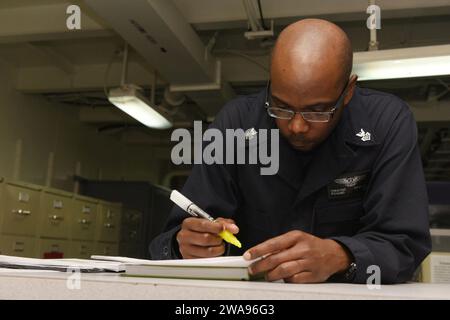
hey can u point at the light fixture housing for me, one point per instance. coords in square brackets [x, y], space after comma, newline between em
[402, 63]
[130, 100]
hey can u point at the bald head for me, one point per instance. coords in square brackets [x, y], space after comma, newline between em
[311, 53]
[311, 66]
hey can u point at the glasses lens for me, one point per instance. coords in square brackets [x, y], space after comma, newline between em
[280, 113]
[316, 116]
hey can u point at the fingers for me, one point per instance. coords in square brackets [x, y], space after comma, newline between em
[204, 225]
[302, 277]
[192, 251]
[274, 260]
[279, 243]
[201, 225]
[287, 270]
[198, 239]
[228, 224]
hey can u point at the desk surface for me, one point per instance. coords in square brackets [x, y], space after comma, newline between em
[54, 285]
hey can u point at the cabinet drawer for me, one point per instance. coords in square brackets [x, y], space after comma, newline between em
[53, 249]
[108, 223]
[131, 226]
[131, 217]
[55, 215]
[2, 201]
[130, 234]
[20, 210]
[81, 249]
[17, 246]
[83, 220]
[106, 249]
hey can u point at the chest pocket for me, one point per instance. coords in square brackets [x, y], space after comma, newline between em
[339, 219]
[351, 185]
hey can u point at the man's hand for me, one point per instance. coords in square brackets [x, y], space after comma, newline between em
[298, 257]
[198, 238]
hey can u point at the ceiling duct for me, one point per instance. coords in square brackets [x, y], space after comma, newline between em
[158, 31]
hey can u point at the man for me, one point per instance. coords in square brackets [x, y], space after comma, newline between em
[349, 192]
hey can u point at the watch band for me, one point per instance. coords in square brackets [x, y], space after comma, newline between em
[351, 272]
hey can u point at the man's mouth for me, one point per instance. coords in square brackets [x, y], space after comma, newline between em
[300, 144]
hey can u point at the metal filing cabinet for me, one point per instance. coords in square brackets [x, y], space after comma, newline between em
[151, 200]
[19, 209]
[17, 246]
[131, 235]
[1, 203]
[81, 249]
[108, 222]
[53, 248]
[56, 209]
[131, 230]
[83, 218]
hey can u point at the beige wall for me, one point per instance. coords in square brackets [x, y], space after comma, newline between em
[37, 127]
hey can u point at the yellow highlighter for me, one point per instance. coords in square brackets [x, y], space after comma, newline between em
[191, 208]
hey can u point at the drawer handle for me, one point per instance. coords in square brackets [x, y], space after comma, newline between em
[21, 212]
[84, 221]
[24, 197]
[56, 218]
[57, 204]
[109, 225]
[86, 209]
[18, 246]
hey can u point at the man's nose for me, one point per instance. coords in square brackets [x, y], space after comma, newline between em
[298, 125]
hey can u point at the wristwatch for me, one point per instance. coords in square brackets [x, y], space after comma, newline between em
[349, 275]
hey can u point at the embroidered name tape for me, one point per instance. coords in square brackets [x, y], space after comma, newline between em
[348, 185]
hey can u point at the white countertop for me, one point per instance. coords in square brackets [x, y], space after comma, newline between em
[26, 284]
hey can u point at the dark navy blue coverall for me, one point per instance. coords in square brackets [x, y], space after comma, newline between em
[367, 194]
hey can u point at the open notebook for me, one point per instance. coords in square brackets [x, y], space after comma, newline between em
[220, 268]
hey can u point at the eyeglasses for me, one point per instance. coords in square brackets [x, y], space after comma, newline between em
[310, 116]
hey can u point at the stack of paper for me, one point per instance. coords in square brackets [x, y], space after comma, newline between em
[82, 265]
[220, 268]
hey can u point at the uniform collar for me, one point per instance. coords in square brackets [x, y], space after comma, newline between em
[359, 130]
[355, 120]
[331, 158]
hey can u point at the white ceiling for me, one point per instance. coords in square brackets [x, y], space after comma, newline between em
[27, 26]
[71, 66]
[27, 3]
[201, 11]
[51, 59]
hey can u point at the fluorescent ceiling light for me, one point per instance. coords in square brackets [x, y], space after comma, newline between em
[131, 101]
[402, 63]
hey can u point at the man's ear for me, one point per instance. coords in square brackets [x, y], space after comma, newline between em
[351, 88]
